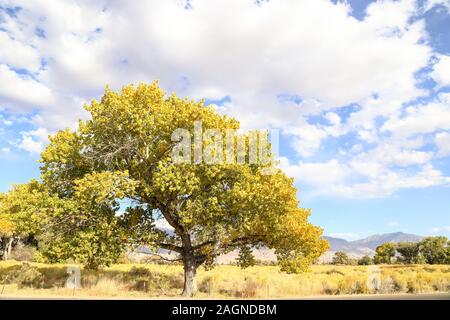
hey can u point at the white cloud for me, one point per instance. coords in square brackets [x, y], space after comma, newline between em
[395, 15]
[389, 181]
[360, 179]
[34, 141]
[393, 224]
[431, 3]
[424, 118]
[30, 145]
[21, 93]
[306, 138]
[17, 54]
[441, 71]
[345, 235]
[311, 49]
[315, 174]
[235, 47]
[441, 229]
[442, 141]
[5, 150]
[387, 154]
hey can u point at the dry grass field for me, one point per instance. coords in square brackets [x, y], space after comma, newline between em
[162, 281]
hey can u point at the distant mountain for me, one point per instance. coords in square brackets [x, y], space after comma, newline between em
[338, 244]
[354, 249]
[366, 246]
[374, 241]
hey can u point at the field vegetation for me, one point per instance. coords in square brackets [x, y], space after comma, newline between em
[225, 281]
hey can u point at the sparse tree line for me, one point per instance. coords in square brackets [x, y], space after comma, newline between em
[431, 250]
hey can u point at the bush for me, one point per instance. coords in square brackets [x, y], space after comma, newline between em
[142, 279]
[330, 288]
[250, 289]
[23, 253]
[335, 271]
[139, 272]
[388, 285]
[28, 276]
[352, 285]
[365, 261]
[400, 284]
[341, 258]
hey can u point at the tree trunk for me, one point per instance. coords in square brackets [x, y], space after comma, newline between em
[7, 248]
[4, 248]
[190, 273]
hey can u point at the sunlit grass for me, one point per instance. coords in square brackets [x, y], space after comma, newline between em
[153, 281]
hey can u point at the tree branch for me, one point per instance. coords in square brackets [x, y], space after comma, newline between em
[166, 259]
[169, 246]
[235, 242]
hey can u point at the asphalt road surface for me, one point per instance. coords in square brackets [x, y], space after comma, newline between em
[424, 296]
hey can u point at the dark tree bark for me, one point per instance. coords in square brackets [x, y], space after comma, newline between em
[186, 251]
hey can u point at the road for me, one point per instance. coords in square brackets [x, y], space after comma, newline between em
[423, 296]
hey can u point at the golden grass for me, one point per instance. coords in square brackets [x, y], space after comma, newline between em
[153, 281]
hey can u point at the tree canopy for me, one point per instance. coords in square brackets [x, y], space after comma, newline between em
[341, 257]
[385, 253]
[114, 176]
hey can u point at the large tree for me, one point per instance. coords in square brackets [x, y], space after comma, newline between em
[341, 257]
[409, 252]
[23, 211]
[385, 253]
[435, 250]
[7, 230]
[126, 151]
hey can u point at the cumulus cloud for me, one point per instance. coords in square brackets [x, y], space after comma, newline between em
[345, 235]
[422, 118]
[22, 93]
[443, 143]
[432, 3]
[359, 179]
[312, 53]
[34, 141]
[237, 47]
[17, 54]
[441, 71]
[393, 224]
[441, 229]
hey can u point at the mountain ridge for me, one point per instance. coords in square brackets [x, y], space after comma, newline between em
[354, 249]
[366, 246]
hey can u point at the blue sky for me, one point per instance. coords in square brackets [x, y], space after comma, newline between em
[359, 89]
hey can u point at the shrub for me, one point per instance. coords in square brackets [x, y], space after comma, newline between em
[142, 279]
[365, 261]
[341, 258]
[330, 287]
[206, 285]
[412, 286]
[107, 287]
[400, 283]
[250, 289]
[334, 271]
[388, 285]
[28, 276]
[23, 253]
[352, 285]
